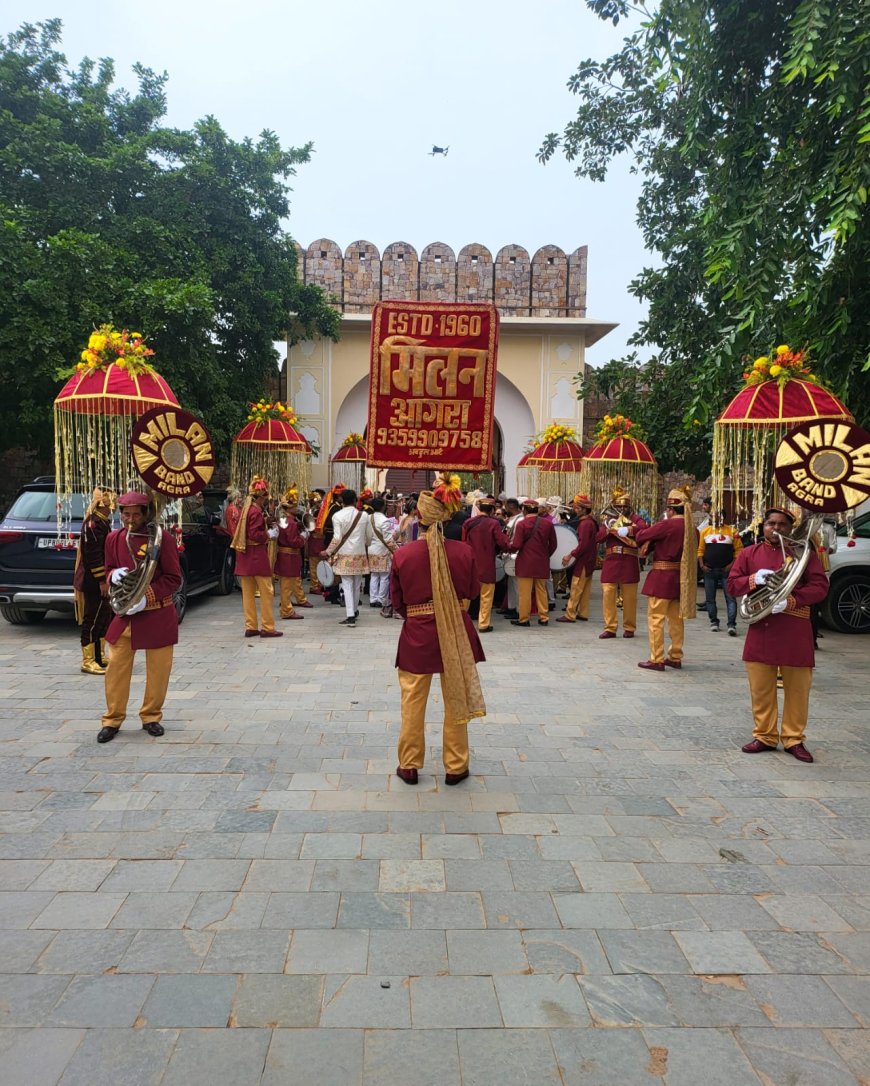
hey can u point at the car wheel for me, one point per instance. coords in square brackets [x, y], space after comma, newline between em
[847, 608]
[227, 581]
[180, 598]
[19, 617]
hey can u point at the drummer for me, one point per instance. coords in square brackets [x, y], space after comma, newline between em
[487, 539]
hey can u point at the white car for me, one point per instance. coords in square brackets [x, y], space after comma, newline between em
[847, 607]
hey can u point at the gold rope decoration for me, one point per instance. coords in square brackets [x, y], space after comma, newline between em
[641, 480]
[280, 467]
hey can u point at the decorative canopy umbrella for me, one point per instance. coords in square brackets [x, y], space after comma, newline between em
[94, 413]
[556, 462]
[270, 446]
[349, 462]
[620, 458]
[780, 392]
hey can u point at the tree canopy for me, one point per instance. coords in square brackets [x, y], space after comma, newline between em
[750, 126]
[108, 216]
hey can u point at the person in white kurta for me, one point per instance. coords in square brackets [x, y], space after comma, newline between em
[348, 551]
[380, 555]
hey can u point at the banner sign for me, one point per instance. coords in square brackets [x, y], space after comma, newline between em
[172, 451]
[825, 466]
[432, 385]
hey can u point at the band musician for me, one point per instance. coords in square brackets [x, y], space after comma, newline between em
[621, 567]
[583, 559]
[288, 560]
[253, 567]
[431, 582]
[487, 539]
[671, 584]
[93, 610]
[150, 624]
[783, 640]
[534, 541]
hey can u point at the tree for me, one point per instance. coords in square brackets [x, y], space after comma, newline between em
[105, 216]
[750, 126]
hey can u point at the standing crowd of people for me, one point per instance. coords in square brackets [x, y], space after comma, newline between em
[446, 564]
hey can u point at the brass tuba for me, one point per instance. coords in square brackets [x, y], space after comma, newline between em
[133, 586]
[796, 550]
[612, 518]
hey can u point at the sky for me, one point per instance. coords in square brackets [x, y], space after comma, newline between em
[374, 86]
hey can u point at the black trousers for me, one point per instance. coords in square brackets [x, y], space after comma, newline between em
[98, 615]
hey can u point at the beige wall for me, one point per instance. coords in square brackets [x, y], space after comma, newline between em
[327, 383]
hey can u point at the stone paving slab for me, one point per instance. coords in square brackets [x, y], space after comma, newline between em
[616, 896]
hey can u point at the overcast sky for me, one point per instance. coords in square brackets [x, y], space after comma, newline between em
[374, 85]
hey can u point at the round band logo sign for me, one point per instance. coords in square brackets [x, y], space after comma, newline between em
[173, 452]
[825, 465]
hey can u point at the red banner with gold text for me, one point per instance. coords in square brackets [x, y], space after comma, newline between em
[432, 385]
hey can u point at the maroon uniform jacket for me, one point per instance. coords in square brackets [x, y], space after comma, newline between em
[621, 560]
[587, 545]
[253, 561]
[534, 540]
[785, 639]
[668, 538]
[485, 537]
[288, 563]
[90, 571]
[156, 626]
[410, 582]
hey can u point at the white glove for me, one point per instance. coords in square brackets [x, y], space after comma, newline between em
[118, 575]
[137, 607]
[305, 535]
[779, 607]
[623, 532]
[272, 533]
[761, 575]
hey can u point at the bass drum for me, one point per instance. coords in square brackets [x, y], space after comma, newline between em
[566, 541]
[509, 564]
[325, 574]
[499, 570]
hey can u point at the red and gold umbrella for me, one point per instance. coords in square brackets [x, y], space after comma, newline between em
[269, 445]
[780, 392]
[112, 386]
[556, 462]
[349, 462]
[620, 458]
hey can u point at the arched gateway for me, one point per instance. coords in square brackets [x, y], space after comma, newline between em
[544, 335]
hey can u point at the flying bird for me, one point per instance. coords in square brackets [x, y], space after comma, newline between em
[438, 151]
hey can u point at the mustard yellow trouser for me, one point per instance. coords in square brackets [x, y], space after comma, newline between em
[412, 736]
[524, 591]
[629, 606]
[657, 611]
[250, 586]
[290, 586]
[796, 683]
[487, 591]
[158, 667]
[313, 559]
[578, 601]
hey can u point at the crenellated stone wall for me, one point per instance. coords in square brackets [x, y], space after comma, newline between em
[549, 284]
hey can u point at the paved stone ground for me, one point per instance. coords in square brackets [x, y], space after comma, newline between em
[618, 895]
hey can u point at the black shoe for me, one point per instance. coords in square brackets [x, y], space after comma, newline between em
[714, 627]
[455, 778]
[732, 631]
[376, 605]
[543, 622]
[409, 776]
[356, 614]
[516, 622]
[106, 735]
[511, 613]
[485, 629]
[348, 622]
[153, 728]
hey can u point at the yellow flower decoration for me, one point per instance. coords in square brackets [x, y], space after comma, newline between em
[783, 349]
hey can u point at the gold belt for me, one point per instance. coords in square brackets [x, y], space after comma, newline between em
[621, 550]
[666, 565]
[797, 612]
[414, 609]
[289, 550]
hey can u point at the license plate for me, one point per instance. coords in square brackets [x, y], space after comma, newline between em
[47, 542]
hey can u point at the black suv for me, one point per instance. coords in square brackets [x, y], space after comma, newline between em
[36, 575]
